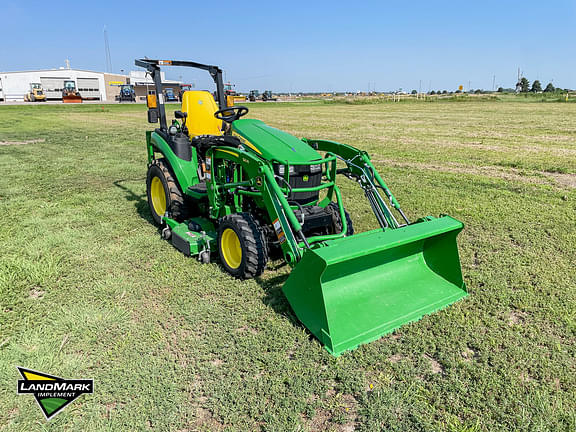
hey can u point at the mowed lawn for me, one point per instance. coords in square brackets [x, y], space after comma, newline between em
[89, 290]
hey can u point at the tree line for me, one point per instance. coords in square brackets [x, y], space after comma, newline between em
[523, 86]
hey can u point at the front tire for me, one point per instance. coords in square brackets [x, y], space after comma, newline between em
[164, 195]
[242, 246]
[333, 210]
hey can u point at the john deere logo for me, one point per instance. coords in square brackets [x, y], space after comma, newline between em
[51, 392]
[305, 178]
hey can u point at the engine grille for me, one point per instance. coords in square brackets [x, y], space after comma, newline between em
[303, 178]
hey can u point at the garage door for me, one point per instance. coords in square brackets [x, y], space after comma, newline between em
[89, 88]
[53, 87]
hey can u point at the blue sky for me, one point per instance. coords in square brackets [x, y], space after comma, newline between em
[305, 46]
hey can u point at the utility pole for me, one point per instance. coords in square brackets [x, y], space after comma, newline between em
[494, 83]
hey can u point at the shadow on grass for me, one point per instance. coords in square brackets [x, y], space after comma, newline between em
[140, 201]
[274, 297]
[272, 287]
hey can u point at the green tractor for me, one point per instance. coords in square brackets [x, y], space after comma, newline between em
[219, 184]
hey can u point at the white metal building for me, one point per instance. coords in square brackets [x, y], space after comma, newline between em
[90, 85]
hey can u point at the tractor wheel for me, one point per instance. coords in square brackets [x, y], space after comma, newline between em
[332, 208]
[242, 246]
[164, 195]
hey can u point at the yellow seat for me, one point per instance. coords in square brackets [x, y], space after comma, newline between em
[201, 107]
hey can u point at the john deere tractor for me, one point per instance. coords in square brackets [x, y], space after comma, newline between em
[222, 185]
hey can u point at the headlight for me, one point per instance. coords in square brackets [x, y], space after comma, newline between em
[316, 168]
[282, 169]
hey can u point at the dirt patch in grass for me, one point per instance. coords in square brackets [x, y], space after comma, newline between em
[339, 413]
[434, 365]
[559, 151]
[396, 358]
[217, 362]
[480, 145]
[247, 329]
[95, 119]
[517, 317]
[9, 143]
[535, 177]
[525, 377]
[565, 179]
[350, 407]
[205, 421]
[469, 354]
[36, 293]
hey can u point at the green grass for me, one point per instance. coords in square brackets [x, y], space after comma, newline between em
[89, 290]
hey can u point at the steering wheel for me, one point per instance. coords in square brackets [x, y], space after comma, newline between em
[230, 114]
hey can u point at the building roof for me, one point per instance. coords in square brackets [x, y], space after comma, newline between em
[136, 77]
[56, 70]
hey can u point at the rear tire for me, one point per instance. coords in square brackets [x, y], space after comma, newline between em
[164, 195]
[242, 246]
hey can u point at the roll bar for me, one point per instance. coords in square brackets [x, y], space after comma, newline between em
[153, 67]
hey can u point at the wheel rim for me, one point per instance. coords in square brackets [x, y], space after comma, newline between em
[231, 248]
[158, 196]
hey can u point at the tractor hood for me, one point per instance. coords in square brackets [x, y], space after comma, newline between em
[272, 143]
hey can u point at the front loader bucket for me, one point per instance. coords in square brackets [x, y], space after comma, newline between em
[356, 289]
[71, 99]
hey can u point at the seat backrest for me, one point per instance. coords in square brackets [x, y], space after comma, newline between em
[201, 107]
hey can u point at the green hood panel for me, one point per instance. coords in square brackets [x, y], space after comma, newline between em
[274, 143]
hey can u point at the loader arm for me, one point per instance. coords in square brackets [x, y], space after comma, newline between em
[360, 168]
[252, 177]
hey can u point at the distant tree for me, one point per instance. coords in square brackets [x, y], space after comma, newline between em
[549, 88]
[458, 91]
[524, 85]
[432, 92]
[414, 92]
[500, 90]
[536, 87]
[477, 91]
[444, 92]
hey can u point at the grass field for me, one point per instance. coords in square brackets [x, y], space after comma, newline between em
[89, 290]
